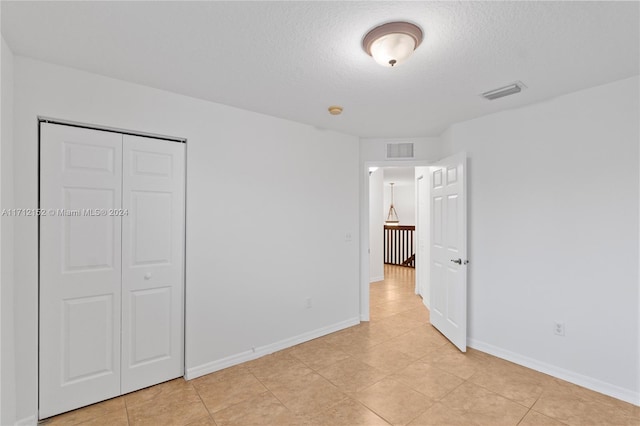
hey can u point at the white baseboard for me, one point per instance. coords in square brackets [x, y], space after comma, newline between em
[28, 421]
[376, 279]
[596, 385]
[261, 351]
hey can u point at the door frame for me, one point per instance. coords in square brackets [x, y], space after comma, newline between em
[364, 224]
[176, 139]
[421, 180]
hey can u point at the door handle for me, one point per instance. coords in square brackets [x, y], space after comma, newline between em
[458, 261]
[147, 276]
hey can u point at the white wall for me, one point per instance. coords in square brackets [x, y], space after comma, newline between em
[269, 206]
[376, 223]
[553, 235]
[404, 201]
[7, 343]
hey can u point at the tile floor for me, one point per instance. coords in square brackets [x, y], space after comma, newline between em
[396, 369]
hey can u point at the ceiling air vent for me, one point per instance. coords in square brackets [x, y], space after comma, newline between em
[400, 150]
[511, 89]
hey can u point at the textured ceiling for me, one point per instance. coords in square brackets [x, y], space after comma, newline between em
[294, 59]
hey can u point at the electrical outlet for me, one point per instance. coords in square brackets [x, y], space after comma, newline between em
[558, 328]
[348, 237]
[309, 303]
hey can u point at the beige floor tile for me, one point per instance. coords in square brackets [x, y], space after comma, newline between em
[352, 375]
[376, 333]
[397, 325]
[278, 364]
[463, 365]
[178, 389]
[305, 395]
[395, 402]
[115, 418]
[428, 335]
[533, 418]
[203, 421]
[228, 373]
[410, 345]
[376, 300]
[264, 409]
[517, 383]
[573, 405]
[339, 337]
[103, 409]
[348, 413]
[427, 379]
[484, 403]
[382, 311]
[358, 343]
[176, 412]
[562, 386]
[385, 359]
[470, 404]
[403, 304]
[218, 395]
[420, 314]
[318, 354]
[284, 385]
[441, 415]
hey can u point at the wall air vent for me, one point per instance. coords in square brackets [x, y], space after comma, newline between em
[511, 89]
[400, 150]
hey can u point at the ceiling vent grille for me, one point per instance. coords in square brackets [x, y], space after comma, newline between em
[511, 89]
[400, 150]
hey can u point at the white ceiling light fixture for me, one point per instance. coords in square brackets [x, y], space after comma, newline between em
[392, 217]
[392, 43]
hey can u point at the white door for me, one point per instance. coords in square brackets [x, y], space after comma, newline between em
[152, 261]
[449, 249]
[111, 265]
[80, 272]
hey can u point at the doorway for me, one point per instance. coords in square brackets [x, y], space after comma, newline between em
[398, 222]
[446, 256]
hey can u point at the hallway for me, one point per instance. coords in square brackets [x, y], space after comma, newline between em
[396, 369]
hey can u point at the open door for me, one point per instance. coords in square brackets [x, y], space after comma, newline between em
[448, 286]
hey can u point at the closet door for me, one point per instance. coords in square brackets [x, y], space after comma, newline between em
[80, 273]
[152, 261]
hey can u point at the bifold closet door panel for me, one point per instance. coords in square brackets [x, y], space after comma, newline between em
[152, 261]
[80, 267]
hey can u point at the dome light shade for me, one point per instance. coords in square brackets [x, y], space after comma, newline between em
[392, 43]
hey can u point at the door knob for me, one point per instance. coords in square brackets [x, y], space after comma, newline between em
[458, 261]
[147, 276]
